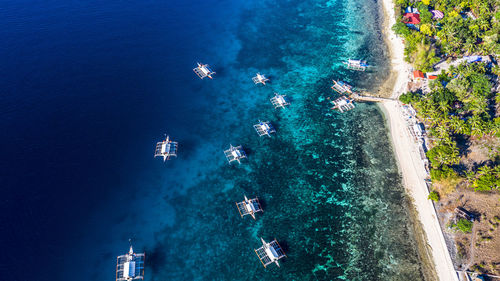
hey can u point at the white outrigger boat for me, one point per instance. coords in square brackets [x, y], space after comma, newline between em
[359, 65]
[249, 207]
[166, 149]
[203, 70]
[279, 101]
[260, 78]
[130, 266]
[270, 252]
[343, 104]
[264, 128]
[342, 87]
[234, 153]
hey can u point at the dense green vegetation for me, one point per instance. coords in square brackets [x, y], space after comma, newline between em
[460, 108]
[463, 225]
[434, 196]
[486, 178]
[468, 27]
[461, 113]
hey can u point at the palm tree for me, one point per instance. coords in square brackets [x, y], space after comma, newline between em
[477, 125]
[484, 170]
[457, 125]
[444, 107]
[470, 176]
[483, 24]
[469, 46]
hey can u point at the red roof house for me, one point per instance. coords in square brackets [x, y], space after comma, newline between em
[412, 18]
[432, 77]
[418, 74]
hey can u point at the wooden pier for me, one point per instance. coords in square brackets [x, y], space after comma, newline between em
[368, 98]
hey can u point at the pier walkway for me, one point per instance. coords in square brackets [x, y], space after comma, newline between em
[369, 98]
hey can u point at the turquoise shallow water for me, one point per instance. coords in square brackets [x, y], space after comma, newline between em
[328, 182]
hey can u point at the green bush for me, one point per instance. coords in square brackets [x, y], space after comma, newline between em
[409, 98]
[401, 29]
[444, 173]
[486, 179]
[443, 154]
[434, 196]
[463, 225]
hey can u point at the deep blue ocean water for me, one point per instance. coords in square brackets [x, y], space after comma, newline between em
[89, 87]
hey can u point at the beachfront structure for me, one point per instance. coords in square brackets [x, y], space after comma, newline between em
[249, 207]
[235, 153]
[359, 65]
[130, 266]
[418, 75]
[264, 128]
[279, 101]
[343, 104]
[203, 70]
[342, 87]
[260, 78]
[270, 252]
[166, 149]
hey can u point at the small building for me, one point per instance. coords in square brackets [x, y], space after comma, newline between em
[359, 65]
[417, 129]
[418, 75]
[411, 18]
[166, 149]
[264, 128]
[464, 214]
[130, 266]
[249, 207]
[436, 14]
[471, 59]
[343, 104]
[234, 153]
[342, 87]
[270, 252]
[203, 70]
[411, 10]
[260, 78]
[279, 101]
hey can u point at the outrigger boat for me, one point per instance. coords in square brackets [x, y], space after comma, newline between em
[270, 252]
[249, 207]
[203, 70]
[264, 128]
[130, 266]
[260, 78]
[279, 101]
[342, 87]
[166, 149]
[234, 153]
[359, 65]
[343, 104]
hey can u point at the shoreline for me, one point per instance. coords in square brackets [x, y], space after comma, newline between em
[408, 158]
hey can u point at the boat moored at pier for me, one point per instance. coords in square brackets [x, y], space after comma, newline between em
[342, 87]
[343, 104]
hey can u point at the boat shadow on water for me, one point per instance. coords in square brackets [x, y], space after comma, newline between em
[156, 258]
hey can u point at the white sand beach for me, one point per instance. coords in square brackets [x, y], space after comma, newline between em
[408, 156]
